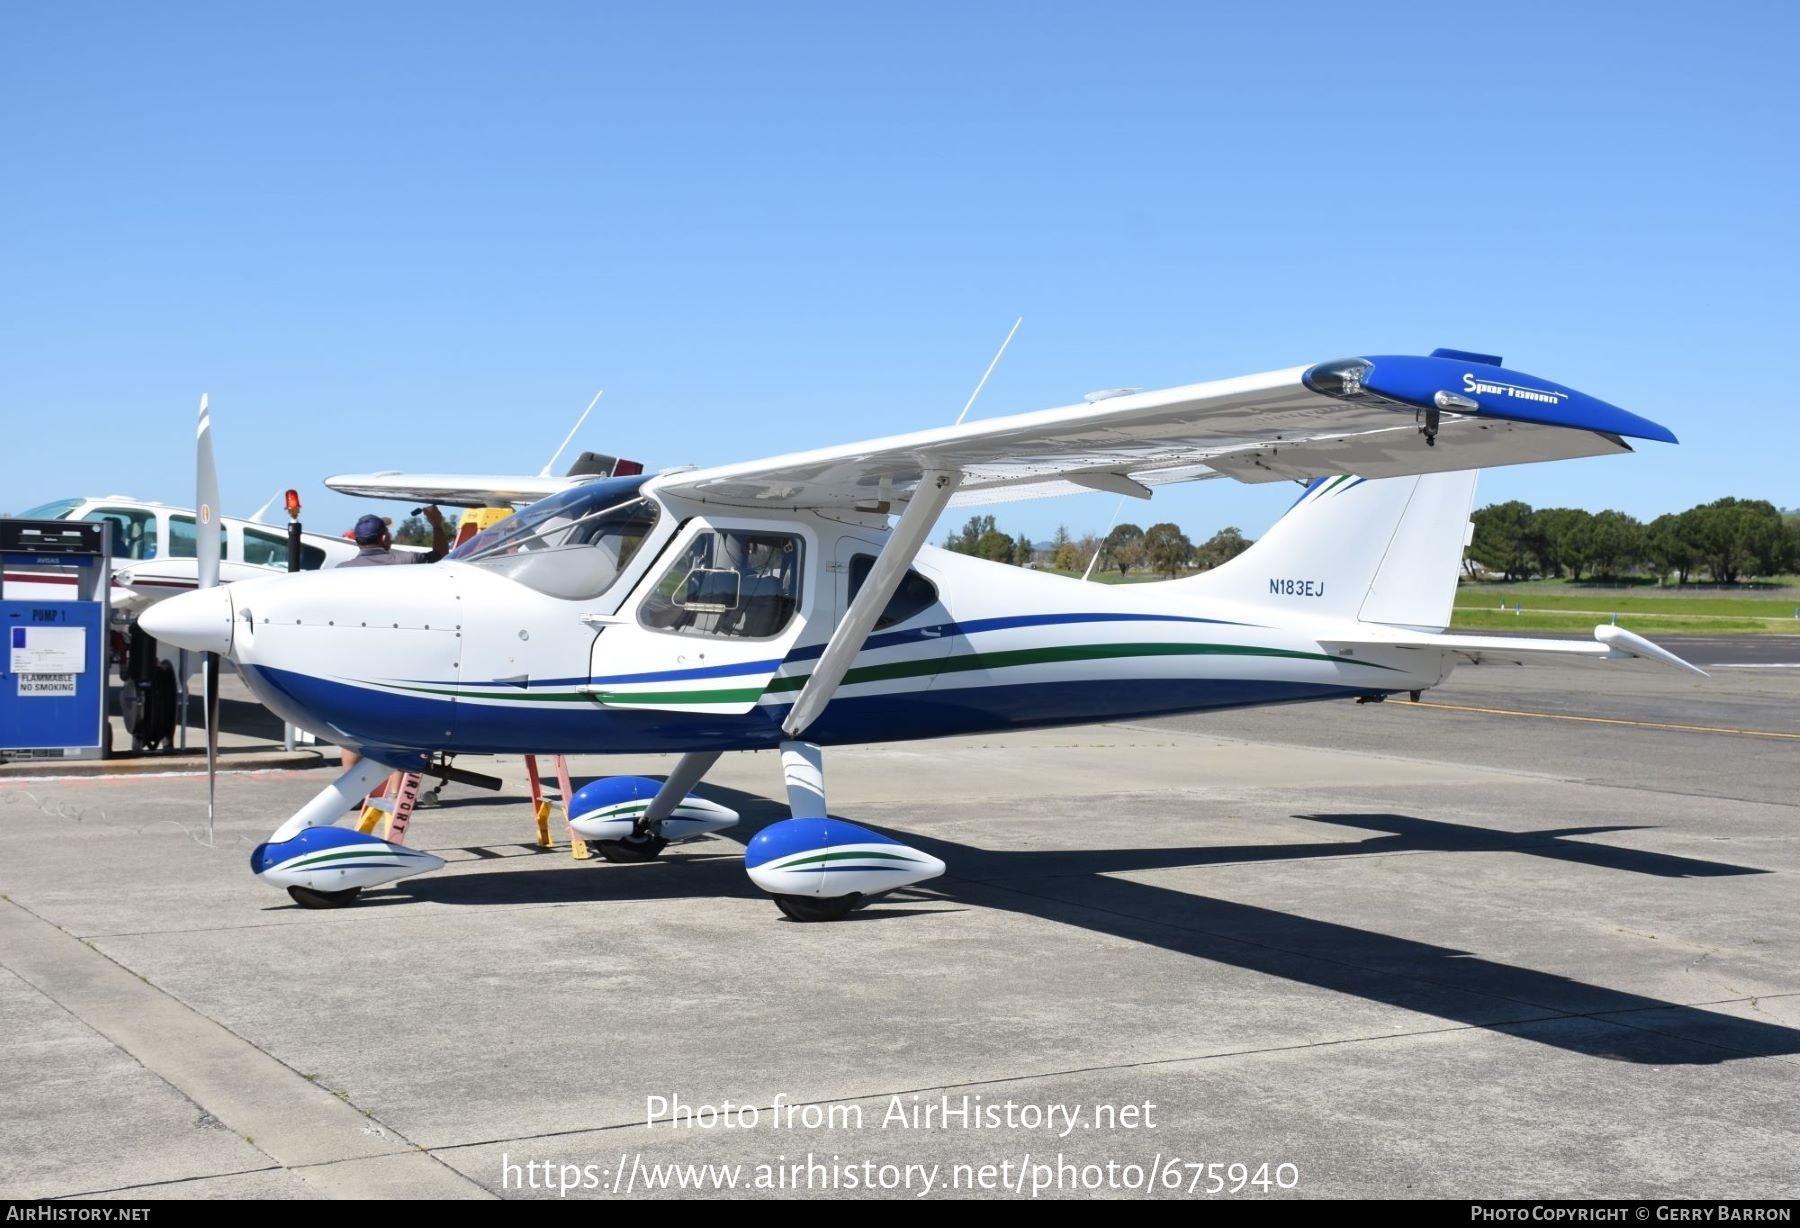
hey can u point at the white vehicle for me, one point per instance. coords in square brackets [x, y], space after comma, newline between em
[772, 605]
[155, 551]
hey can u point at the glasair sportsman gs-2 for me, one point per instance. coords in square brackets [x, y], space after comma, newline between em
[770, 605]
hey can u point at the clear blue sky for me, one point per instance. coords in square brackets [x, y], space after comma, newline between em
[420, 235]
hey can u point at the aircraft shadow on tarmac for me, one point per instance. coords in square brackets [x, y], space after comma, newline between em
[1077, 888]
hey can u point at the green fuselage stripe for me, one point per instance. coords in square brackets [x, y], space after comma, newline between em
[915, 668]
[322, 858]
[818, 858]
[1045, 656]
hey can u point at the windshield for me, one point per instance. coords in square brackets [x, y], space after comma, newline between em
[572, 545]
[542, 524]
[52, 511]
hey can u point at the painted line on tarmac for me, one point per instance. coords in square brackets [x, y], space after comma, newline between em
[195, 774]
[1760, 665]
[1610, 720]
[322, 1138]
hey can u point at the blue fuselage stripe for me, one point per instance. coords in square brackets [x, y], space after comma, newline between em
[376, 718]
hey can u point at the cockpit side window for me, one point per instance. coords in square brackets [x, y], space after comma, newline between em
[729, 582]
[134, 531]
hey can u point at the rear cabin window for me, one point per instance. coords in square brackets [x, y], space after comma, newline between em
[265, 549]
[270, 550]
[915, 595]
[183, 542]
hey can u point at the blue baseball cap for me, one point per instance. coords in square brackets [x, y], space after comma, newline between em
[369, 530]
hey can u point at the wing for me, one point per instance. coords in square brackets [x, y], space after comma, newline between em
[1140, 483]
[1364, 416]
[450, 489]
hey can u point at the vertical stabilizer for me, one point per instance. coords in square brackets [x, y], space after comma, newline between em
[1383, 551]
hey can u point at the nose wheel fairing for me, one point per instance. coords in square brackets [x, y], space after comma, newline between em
[330, 860]
[325, 866]
[612, 809]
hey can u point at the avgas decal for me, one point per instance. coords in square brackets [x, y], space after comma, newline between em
[1296, 588]
[1543, 396]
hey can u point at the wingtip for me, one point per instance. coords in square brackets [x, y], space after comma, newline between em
[1619, 638]
[1654, 431]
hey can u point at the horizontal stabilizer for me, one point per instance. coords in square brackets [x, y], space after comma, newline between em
[1609, 644]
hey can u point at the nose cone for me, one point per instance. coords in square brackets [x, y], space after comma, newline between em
[199, 621]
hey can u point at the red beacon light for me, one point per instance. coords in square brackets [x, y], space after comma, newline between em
[293, 504]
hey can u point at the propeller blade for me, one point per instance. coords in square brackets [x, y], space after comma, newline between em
[206, 501]
[212, 737]
[207, 546]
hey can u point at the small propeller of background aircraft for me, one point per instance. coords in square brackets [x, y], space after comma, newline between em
[793, 603]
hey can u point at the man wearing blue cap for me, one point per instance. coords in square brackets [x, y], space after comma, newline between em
[376, 547]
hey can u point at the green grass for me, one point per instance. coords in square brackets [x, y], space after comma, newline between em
[1751, 605]
[1558, 605]
[1770, 588]
[1465, 619]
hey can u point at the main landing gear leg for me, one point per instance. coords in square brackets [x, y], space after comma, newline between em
[333, 800]
[803, 769]
[820, 868]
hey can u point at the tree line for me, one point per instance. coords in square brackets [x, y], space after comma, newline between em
[1728, 539]
[1162, 549]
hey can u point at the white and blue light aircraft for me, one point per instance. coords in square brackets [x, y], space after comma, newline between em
[792, 604]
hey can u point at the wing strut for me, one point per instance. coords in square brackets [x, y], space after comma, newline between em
[929, 499]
